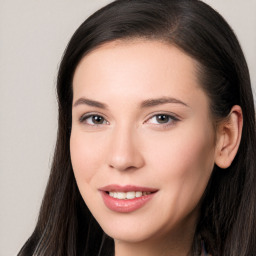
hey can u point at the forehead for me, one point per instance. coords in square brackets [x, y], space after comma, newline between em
[142, 53]
[138, 69]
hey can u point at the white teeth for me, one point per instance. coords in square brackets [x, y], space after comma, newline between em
[138, 194]
[121, 195]
[128, 195]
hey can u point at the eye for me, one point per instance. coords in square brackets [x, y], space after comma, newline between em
[93, 119]
[162, 119]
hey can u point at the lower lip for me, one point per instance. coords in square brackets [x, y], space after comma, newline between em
[125, 205]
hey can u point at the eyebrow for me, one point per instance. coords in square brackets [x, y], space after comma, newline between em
[160, 101]
[145, 104]
[93, 103]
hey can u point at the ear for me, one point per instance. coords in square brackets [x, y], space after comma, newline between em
[229, 134]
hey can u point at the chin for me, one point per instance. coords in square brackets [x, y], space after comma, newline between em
[129, 236]
[129, 230]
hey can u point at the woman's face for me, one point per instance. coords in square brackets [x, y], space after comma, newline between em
[142, 141]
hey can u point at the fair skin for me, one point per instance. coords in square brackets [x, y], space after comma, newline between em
[140, 118]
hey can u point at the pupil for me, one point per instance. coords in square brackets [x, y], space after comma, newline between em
[98, 119]
[162, 118]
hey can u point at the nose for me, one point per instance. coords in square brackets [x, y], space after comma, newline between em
[124, 151]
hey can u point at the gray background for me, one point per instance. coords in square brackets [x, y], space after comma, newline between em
[33, 36]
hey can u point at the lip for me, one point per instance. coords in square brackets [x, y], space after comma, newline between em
[125, 205]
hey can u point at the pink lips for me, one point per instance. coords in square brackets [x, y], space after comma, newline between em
[125, 205]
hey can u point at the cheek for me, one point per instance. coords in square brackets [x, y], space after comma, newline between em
[85, 157]
[184, 163]
[182, 152]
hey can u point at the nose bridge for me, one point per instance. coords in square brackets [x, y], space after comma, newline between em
[124, 147]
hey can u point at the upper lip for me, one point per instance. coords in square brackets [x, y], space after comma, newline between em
[126, 188]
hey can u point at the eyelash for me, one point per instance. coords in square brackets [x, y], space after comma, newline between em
[84, 119]
[172, 119]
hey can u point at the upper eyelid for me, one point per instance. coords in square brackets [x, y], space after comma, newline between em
[172, 120]
[172, 115]
[93, 113]
[90, 114]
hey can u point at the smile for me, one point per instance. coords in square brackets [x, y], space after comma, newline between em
[126, 199]
[128, 195]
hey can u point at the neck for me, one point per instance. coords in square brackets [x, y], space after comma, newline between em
[174, 244]
[151, 249]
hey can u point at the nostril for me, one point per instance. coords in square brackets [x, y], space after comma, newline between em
[123, 167]
[124, 155]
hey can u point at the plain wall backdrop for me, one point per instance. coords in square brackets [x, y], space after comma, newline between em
[33, 36]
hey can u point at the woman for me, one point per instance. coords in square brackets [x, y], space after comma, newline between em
[155, 152]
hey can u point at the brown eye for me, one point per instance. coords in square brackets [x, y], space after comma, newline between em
[97, 119]
[93, 120]
[162, 119]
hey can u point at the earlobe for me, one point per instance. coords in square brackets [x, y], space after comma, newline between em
[229, 134]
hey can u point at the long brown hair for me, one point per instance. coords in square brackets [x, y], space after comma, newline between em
[228, 214]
